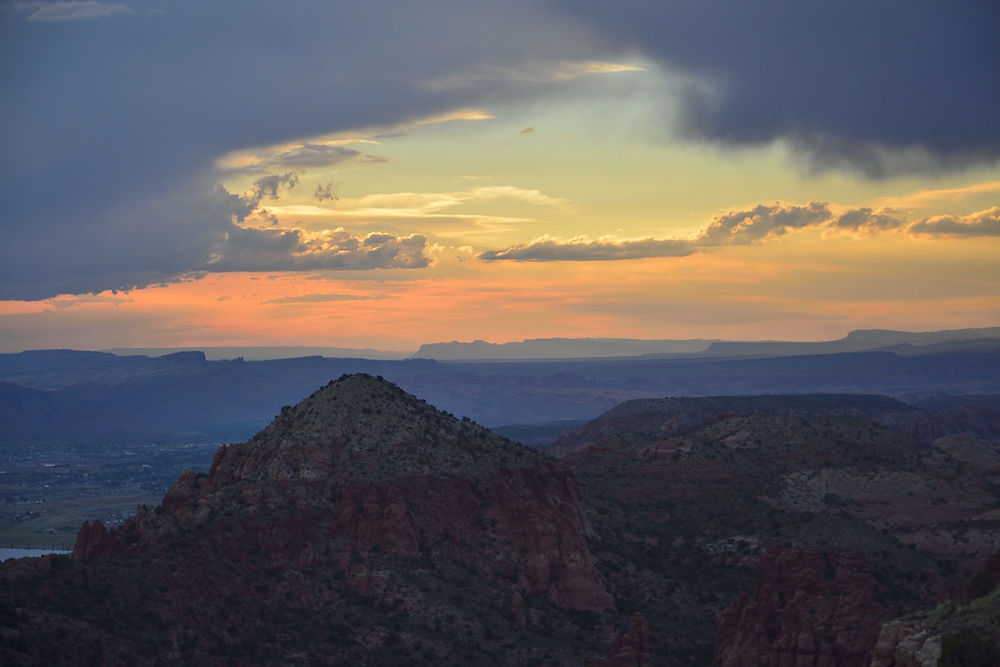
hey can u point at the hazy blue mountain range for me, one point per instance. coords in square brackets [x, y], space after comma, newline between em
[264, 352]
[86, 395]
[577, 348]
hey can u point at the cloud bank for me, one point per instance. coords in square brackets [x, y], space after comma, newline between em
[255, 249]
[111, 129]
[885, 87]
[760, 224]
[114, 118]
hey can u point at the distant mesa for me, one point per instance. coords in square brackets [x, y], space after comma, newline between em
[558, 348]
[266, 352]
[185, 357]
[586, 348]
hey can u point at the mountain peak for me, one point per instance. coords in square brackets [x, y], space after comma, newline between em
[362, 427]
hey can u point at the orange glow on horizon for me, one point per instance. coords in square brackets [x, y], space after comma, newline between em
[791, 292]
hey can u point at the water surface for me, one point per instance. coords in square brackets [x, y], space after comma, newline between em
[22, 553]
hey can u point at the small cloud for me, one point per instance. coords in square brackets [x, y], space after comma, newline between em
[321, 298]
[571, 70]
[324, 192]
[529, 195]
[458, 114]
[71, 301]
[865, 221]
[267, 186]
[538, 72]
[548, 249]
[51, 12]
[527, 130]
[298, 157]
[980, 224]
[260, 249]
[925, 197]
[762, 222]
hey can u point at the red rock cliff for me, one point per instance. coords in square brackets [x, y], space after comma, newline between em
[361, 471]
[809, 608]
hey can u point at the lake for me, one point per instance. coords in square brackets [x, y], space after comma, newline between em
[21, 553]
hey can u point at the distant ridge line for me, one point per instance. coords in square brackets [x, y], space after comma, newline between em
[860, 340]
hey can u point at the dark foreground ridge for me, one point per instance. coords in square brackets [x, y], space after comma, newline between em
[363, 526]
[786, 529]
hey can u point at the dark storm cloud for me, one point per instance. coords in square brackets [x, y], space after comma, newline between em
[109, 129]
[880, 87]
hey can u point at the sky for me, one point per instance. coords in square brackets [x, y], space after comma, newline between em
[390, 173]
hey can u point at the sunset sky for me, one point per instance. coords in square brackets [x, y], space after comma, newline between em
[390, 173]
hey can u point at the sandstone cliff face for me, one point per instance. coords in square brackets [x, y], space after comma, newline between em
[962, 631]
[378, 473]
[362, 526]
[906, 644]
[94, 541]
[809, 608]
[628, 649]
[687, 494]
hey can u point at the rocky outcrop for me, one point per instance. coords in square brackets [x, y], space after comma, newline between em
[94, 541]
[961, 631]
[379, 473]
[628, 649]
[906, 644]
[809, 608]
[631, 649]
[362, 522]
